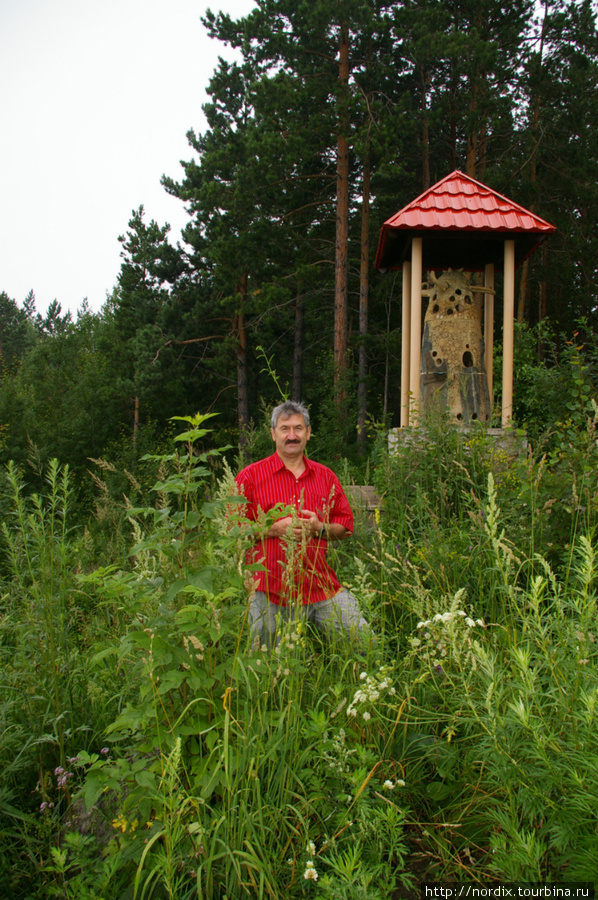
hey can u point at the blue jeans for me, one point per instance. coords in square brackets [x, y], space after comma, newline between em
[338, 616]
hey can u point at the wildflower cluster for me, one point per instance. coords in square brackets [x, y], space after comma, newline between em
[293, 638]
[122, 824]
[62, 776]
[310, 873]
[391, 785]
[445, 636]
[373, 687]
[338, 757]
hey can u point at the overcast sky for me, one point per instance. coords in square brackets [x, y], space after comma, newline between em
[96, 97]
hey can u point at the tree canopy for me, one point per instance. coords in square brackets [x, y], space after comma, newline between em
[325, 120]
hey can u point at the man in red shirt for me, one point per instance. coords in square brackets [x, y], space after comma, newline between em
[297, 506]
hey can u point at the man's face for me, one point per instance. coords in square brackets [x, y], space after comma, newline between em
[291, 435]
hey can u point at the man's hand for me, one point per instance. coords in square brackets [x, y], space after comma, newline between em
[306, 524]
[310, 523]
[283, 528]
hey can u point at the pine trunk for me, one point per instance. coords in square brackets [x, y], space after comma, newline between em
[363, 307]
[298, 349]
[240, 331]
[341, 287]
[426, 178]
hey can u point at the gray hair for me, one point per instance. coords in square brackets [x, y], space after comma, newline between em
[289, 408]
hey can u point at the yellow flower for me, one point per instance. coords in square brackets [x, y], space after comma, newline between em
[120, 823]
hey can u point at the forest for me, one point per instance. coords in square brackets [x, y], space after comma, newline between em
[148, 751]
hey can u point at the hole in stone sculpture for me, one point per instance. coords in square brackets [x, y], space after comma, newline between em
[434, 353]
[438, 362]
[468, 300]
[474, 415]
[487, 416]
[459, 416]
[458, 292]
[452, 299]
[457, 307]
[450, 312]
[468, 359]
[435, 308]
[467, 346]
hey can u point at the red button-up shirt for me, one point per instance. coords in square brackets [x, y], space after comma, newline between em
[294, 570]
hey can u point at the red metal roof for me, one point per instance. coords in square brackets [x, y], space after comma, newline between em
[459, 203]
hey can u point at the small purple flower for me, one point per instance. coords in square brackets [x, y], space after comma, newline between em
[73, 759]
[58, 770]
[62, 779]
[439, 668]
[105, 751]
[43, 806]
[398, 548]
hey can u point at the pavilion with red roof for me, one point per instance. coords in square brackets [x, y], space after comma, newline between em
[458, 223]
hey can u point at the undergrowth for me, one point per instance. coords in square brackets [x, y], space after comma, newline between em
[149, 751]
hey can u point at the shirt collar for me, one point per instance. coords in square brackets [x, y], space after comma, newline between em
[277, 463]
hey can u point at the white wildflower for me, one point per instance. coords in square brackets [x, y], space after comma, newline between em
[400, 782]
[310, 873]
[366, 716]
[388, 785]
[469, 622]
[311, 848]
[363, 676]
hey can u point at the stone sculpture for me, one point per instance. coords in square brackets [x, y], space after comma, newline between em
[453, 372]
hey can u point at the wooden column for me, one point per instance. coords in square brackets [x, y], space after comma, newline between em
[416, 330]
[489, 330]
[405, 343]
[508, 333]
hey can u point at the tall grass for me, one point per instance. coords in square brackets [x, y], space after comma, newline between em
[44, 697]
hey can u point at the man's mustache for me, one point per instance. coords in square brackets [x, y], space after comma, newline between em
[292, 441]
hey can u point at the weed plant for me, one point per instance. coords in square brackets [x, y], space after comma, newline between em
[48, 709]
